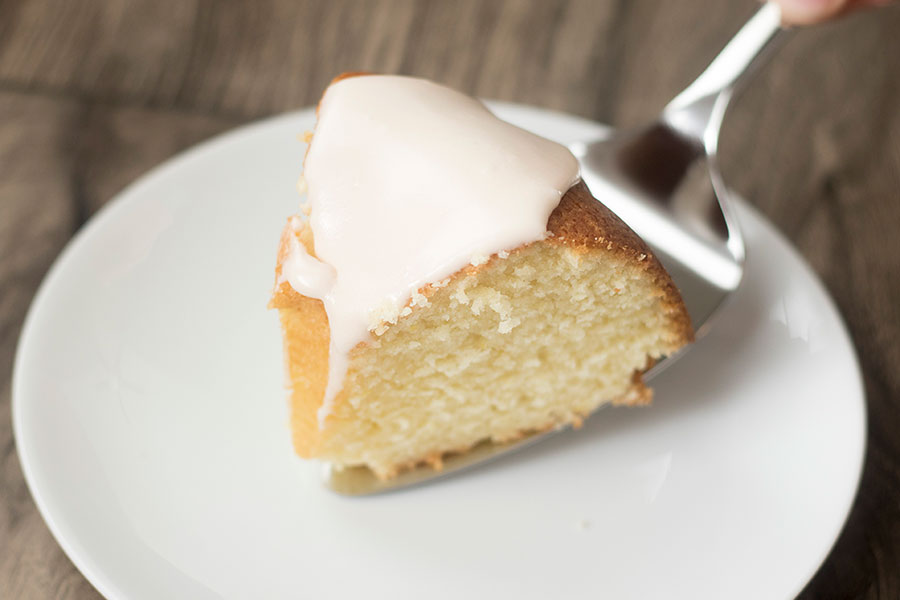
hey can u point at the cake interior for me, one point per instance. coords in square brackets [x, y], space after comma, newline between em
[536, 340]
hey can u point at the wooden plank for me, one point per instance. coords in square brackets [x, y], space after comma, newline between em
[257, 58]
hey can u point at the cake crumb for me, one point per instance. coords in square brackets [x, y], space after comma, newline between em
[503, 254]
[584, 525]
[435, 461]
[507, 325]
[478, 259]
[301, 187]
[461, 296]
[384, 315]
[307, 136]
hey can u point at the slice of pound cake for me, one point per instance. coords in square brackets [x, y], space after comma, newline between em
[451, 280]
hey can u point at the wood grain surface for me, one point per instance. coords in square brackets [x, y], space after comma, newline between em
[92, 94]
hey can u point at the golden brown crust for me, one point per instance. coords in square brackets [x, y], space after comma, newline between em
[580, 221]
[306, 340]
[307, 336]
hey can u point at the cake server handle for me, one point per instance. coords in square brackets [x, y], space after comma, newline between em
[696, 108]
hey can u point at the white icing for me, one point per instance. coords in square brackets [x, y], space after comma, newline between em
[306, 274]
[407, 182]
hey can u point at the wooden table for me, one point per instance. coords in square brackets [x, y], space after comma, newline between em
[92, 94]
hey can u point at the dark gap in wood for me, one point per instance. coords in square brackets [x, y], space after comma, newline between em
[123, 101]
[413, 36]
[609, 73]
[481, 41]
[800, 220]
[840, 256]
[553, 26]
[9, 16]
[81, 207]
[191, 55]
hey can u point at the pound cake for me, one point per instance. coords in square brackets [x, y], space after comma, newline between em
[451, 280]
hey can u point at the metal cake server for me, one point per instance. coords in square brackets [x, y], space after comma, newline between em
[663, 181]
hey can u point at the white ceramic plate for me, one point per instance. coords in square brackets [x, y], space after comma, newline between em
[152, 426]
